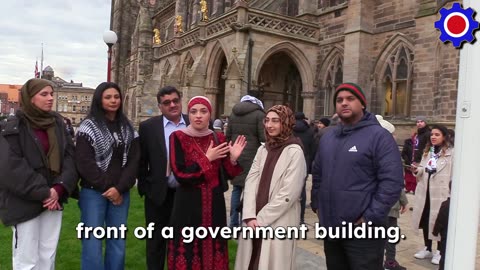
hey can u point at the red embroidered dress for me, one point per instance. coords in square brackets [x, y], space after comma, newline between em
[199, 202]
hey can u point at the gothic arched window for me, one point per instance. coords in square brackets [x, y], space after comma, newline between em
[397, 83]
[333, 79]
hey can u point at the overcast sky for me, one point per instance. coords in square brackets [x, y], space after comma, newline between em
[71, 32]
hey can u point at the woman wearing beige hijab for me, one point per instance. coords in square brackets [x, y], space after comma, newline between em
[272, 194]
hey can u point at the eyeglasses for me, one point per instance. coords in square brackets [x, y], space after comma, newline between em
[273, 120]
[168, 102]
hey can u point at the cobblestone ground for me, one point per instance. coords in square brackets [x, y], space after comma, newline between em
[310, 253]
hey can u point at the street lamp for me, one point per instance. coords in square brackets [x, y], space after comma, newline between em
[110, 38]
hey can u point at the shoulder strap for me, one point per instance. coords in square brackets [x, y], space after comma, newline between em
[215, 138]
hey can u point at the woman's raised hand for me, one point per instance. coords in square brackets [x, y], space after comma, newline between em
[219, 151]
[236, 148]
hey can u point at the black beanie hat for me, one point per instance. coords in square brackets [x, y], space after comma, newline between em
[325, 121]
[352, 88]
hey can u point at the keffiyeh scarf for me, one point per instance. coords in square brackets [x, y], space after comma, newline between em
[102, 141]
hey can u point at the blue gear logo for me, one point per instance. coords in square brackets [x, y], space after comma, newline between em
[457, 25]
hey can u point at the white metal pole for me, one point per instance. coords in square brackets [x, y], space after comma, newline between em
[464, 204]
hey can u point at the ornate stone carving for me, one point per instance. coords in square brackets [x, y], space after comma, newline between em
[156, 37]
[222, 25]
[211, 91]
[272, 23]
[204, 10]
[166, 48]
[308, 95]
[178, 24]
[190, 37]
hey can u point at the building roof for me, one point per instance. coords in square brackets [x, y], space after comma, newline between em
[12, 90]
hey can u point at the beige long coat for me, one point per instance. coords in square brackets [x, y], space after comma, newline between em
[439, 191]
[283, 208]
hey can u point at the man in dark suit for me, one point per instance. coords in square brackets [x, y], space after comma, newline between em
[155, 180]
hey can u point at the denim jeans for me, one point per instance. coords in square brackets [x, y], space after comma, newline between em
[98, 211]
[234, 204]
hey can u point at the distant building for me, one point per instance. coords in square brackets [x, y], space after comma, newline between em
[9, 98]
[71, 99]
[291, 52]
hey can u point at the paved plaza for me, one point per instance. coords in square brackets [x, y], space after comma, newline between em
[310, 255]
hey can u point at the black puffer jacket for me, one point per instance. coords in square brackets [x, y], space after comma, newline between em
[26, 179]
[423, 137]
[306, 134]
[246, 119]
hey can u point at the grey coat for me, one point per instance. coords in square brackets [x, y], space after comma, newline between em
[403, 201]
[246, 119]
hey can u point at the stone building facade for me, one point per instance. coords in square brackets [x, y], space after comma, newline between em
[291, 52]
[9, 99]
[71, 99]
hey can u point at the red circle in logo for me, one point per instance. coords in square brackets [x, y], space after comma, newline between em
[456, 24]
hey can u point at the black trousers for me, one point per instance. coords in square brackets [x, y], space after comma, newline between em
[157, 245]
[391, 248]
[354, 254]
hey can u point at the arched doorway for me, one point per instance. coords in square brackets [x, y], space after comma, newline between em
[220, 96]
[279, 82]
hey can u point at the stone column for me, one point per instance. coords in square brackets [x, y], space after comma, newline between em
[358, 42]
[211, 94]
[308, 104]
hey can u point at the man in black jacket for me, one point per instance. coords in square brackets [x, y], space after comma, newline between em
[246, 119]
[306, 134]
[155, 181]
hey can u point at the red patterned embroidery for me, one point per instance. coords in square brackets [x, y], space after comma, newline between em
[170, 254]
[196, 262]
[221, 257]
[180, 262]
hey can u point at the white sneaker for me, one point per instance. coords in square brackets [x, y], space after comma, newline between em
[436, 257]
[423, 254]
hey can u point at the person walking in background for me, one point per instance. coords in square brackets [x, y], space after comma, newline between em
[155, 179]
[272, 194]
[218, 125]
[306, 134]
[69, 127]
[399, 208]
[247, 120]
[38, 175]
[197, 157]
[357, 178]
[412, 151]
[106, 155]
[322, 127]
[433, 174]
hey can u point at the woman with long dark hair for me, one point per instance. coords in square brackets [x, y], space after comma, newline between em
[433, 175]
[107, 155]
[38, 175]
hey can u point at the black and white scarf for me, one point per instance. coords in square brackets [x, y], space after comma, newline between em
[102, 141]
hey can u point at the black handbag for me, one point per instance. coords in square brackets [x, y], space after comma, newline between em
[223, 178]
